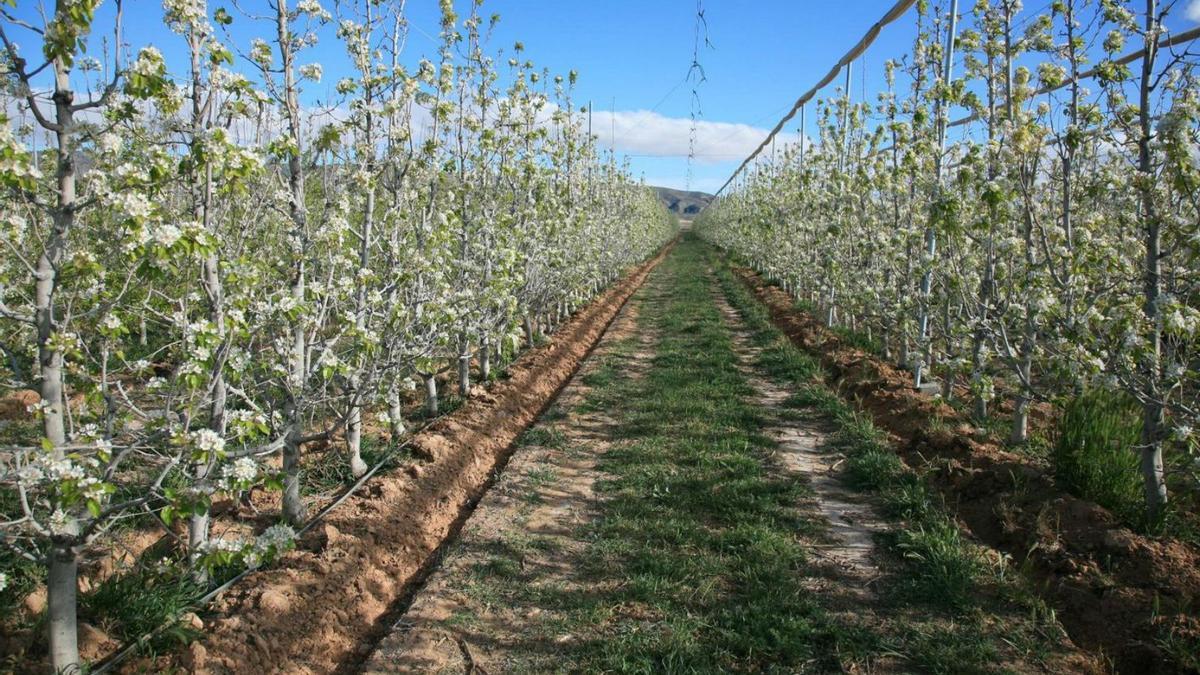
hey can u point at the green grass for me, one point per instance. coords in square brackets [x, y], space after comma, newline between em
[1183, 648]
[1094, 454]
[330, 471]
[705, 537]
[545, 436]
[954, 610]
[134, 602]
[1093, 451]
[936, 649]
[20, 432]
[942, 564]
[696, 561]
[859, 340]
[873, 469]
[23, 576]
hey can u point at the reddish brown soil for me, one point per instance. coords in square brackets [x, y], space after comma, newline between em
[1115, 591]
[324, 607]
[460, 621]
[15, 405]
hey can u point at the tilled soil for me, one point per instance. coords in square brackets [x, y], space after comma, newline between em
[535, 510]
[1115, 591]
[325, 606]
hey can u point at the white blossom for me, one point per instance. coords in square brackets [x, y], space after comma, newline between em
[166, 235]
[207, 440]
[185, 12]
[224, 544]
[61, 523]
[311, 71]
[149, 62]
[109, 143]
[1182, 433]
[242, 470]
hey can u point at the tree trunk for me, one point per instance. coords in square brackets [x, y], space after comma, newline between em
[293, 502]
[61, 590]
[354, 440]
[979, 410]
[51, 360]
[201, 187]
[485, 359]
[948, 357]
[1153, 421]
[431, 396]
[354, 420]
[395, 414]
[61, 583]
[1020, 418]
[464, 366]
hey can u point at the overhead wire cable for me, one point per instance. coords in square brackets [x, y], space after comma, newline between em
[892, 15]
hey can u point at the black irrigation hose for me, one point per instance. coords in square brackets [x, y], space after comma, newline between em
[128, 649]
[112, 661]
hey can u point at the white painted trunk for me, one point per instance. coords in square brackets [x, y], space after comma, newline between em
[61, 591]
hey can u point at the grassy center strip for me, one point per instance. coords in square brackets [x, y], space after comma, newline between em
[696, 561]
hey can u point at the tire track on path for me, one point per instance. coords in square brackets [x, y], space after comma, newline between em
[803, 451]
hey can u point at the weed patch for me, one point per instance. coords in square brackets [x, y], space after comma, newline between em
[1094, 453]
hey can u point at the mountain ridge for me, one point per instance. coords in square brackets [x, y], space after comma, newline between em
[683, 202]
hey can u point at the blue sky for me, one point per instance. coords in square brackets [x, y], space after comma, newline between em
[632, 57]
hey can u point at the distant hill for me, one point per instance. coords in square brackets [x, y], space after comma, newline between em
[682, 202]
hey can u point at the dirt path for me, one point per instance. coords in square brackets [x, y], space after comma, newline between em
[530, 527]
[804, 453]
[531, 519]
[846, 560]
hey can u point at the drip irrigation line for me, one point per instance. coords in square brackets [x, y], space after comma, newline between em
[112, 661]
[894, 13]
[130, 648]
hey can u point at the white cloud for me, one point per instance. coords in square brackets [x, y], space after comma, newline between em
[642, 132]
[1193, 10]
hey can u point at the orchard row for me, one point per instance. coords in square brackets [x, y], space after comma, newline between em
[1044, 246]
[205, 268]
